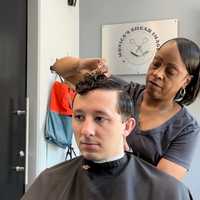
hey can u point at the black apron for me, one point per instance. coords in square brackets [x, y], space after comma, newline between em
[128, 178]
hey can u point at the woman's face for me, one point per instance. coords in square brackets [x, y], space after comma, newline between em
[167, 73]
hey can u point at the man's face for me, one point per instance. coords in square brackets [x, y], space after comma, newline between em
[97, 125]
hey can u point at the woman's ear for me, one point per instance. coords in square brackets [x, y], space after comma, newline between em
[129, 126]
[188, 78]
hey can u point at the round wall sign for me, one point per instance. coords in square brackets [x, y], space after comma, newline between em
[138, 45]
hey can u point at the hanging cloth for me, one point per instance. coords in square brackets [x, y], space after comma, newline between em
[58, 129]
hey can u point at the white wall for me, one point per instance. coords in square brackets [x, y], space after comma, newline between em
[95, 13]
[53, 32]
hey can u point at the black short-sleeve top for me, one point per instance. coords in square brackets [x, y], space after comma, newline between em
[175, 140]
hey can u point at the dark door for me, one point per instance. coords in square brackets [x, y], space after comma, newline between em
[13, 18]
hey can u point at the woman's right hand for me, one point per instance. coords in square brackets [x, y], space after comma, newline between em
[74, 66]
[72, 69]
[88, 65]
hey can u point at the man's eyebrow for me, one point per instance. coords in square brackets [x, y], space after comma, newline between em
[78, 111]
[100, 112]
[103, 113]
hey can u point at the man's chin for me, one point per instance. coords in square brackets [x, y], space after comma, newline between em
[91, 156]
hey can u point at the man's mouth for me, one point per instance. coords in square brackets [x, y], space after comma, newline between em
[89, 145]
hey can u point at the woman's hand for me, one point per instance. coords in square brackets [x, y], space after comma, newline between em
[87, 65]
[77, 67]
[72, 69]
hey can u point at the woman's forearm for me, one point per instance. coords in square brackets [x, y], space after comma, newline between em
[67, 66]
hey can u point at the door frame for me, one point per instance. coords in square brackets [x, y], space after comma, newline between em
[40, 55]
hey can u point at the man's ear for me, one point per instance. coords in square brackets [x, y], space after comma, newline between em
[129, 126]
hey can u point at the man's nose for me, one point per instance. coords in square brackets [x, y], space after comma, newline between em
[88, 128]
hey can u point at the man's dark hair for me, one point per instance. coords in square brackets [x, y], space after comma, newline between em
[100, 81]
